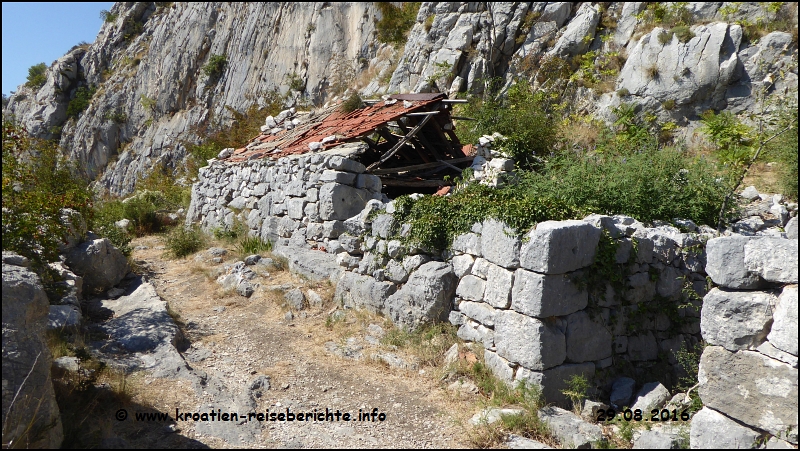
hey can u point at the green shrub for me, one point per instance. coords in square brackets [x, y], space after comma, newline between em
[733, 138]
[37, 183]
[183, 241]
[668, 104]
[116, 116]
[352, 103]
[784, 151]
[665, 37]
[36, 76]
[80, 102]
[395, 22]
[648, 185]
[295, 82]
[683, 32]
[107, 16]
[522, 117]
[215, 66]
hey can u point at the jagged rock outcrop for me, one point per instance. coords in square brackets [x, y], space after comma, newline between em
[152, 99]
[30, 414]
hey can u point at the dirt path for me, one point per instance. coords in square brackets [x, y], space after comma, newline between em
[235, 340]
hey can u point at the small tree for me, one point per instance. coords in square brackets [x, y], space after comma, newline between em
[36, 76]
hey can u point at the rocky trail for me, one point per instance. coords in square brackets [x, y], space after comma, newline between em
[252, 354]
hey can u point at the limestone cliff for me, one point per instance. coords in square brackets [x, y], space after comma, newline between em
[153, 94]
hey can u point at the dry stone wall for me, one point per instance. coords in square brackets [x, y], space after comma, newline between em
[530, 300]
[748, 374]
[302, 199]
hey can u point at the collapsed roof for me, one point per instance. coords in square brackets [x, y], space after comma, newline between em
[410, 138]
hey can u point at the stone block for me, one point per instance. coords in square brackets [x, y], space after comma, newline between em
[340, 202]
[713, 430]
[478, 311]
[294, 208]
[770, 257]
[725, 263]
[558, 247]
[765, 394]
[642, 347]
[587, 340]
[500, 244]
[476, 332]
[528, 341]
[665, 247]
[340, 163]
[501, 367]
[736, 320]
[544, 295]
[468, 243]
[783, 334]
[498, 287]
[471, 287]
[462, 264]
[345, 178]
[369, 182]
[382, 226]
[670, 282]
[480, 268]
[332, 229]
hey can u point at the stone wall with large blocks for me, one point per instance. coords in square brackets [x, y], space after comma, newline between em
[748, 374]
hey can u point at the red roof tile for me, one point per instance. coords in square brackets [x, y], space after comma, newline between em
[345, 126]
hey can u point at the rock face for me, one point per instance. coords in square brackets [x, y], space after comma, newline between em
[30, 413]
[312, 52]
[317, 44]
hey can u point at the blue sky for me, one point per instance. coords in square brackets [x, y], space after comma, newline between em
[43, 32]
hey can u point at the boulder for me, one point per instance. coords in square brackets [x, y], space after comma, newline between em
[99, 263]
[651, 396]
[736, 320]
[570, 430]
[558, 247]
[622, 392]
[528, 341]
[661, 439]
[762, 385]
[356, 290]
[29, 403]
[713, 430]
[426, 297]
